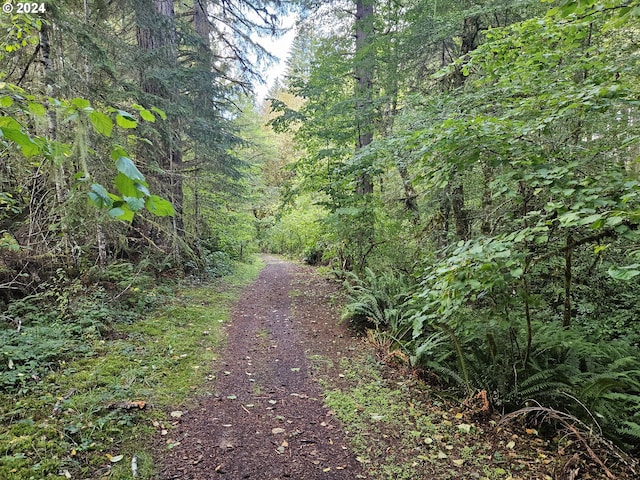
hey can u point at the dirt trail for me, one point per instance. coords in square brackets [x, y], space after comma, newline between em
[264, 416]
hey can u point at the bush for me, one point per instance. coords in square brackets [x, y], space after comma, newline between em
[597, 382]
[378, 301]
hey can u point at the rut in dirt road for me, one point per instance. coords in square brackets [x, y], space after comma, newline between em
[264, 418]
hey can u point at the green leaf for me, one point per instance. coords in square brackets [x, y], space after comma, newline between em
[142, 187]
[102, 124]
[80, 103]
[116, 212]
[163, 115]
[12, 130]
[126, 120]
[516, 272]
[128, 168]
[144, 113]
[147, 115]
[122, 212]
[624, 273]
[10, 123]
[99, 196]
[37, 109]
[6, 101]
[126, 186]
[159, 206]
[118, 152]
[591, 219]
[136, 204]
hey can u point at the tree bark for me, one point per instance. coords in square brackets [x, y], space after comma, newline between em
[566, 317]
[156, 34]
[364, 69]
[470, 29]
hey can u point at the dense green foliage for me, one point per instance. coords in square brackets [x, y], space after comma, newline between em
[470, 169]
[120, 167]
[97, 379]
[132, 105]
[502, 245]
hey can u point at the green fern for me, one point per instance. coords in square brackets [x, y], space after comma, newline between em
[379, 299]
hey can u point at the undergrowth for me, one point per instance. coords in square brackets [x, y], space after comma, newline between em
[83, 407]
[399, 429]
[468, 346]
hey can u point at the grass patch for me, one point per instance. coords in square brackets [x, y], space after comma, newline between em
[80, 422]
[399, 430]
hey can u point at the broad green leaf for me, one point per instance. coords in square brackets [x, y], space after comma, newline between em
[142, 187]
[118, 152]
[591, 219]
[80, 103]
[6, 101]
[122, 212]
[613, 221]
[159, 206]
[10, 123]
[126, 120]
[136, 204]
[624, 273]
[128, 168]
[144, 113]
[163, 115]
[126, 186]
[12, 130]
[147, 115]
[37, 109]
[516, 272]
[99, 196]
[101, 123]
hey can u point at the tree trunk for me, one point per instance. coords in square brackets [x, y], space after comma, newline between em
[156, 34]
[470, 29]
[487, 171]
[52, 126]
[364, 67]
[566, 318]
[463, 228]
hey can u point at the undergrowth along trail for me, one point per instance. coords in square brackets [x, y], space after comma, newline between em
[91, 416]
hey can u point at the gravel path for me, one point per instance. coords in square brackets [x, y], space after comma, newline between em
[264, 416]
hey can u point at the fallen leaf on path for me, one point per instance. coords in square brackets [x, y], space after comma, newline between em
[115, 459]
[458, 462]
[176, 413]
[465, 427]
[277, 430]
[231, 397]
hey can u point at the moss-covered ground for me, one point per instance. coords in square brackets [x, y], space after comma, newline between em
[90, 417]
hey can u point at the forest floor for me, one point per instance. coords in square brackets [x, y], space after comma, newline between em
[297, 396]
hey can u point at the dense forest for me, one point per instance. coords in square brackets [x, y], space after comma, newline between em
[468, 169]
